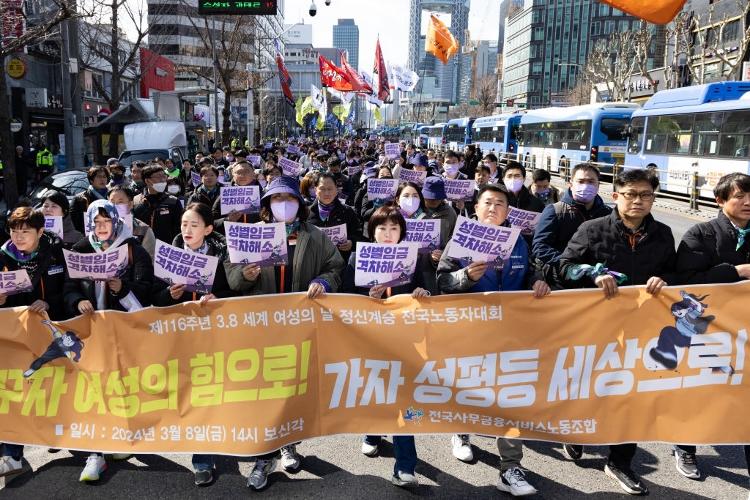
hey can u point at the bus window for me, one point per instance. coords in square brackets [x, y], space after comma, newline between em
[614, 128]
[735, 135]
[680, 128]
[636, 134]
[706, 133]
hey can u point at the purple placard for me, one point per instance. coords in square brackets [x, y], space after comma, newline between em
[474, 241]
[262, 244]
[292, 150]
[254, 160]
[184, 267]
[415, 176]
[96, 266]
[54, 224]
[244, 199]
[337, 234]
[289, 167]
[354, 170]
[13, 282]
[459, 189]
[392, 150]
[384, 264]
[425, 233]
[195, 178]
[524, 220]
[381, 189]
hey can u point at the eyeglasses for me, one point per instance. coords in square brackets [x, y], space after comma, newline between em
[632, 195]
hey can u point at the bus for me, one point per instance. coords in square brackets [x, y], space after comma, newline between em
[560, 138]
[458, 133]
[436, 136]
[704, 129]
[497, 133]
[421, 135]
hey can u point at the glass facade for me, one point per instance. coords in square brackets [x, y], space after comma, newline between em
[346, 37]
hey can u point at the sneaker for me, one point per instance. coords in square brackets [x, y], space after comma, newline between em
[513, 481]
[121, 456]
[667, 360]
[369, 450]
[290, 459]
[204, 477]
[462, 447]
[405, 480]
[95, 466]
[626, 478]
[573, 451]
[10, 467]
[687, 464]
[28, 373]
[258, 478]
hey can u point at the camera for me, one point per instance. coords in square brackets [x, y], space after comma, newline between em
[313, 9]
[328, 2]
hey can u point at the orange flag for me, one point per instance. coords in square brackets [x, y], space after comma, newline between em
[654, 11]
[440, 42]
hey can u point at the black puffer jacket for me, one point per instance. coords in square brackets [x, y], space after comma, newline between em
[525, 201]
[162, 212]
[47, 273]
[217, 247]
[708, 253]
[340, 214]
[138, 278]
[606, 240]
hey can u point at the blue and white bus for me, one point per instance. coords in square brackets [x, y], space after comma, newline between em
[704, 128]
[550, 138]
[458, 133]
[497, 133]
[422, 136]
[436, 136]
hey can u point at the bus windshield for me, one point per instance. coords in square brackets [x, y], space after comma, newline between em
[615, 129]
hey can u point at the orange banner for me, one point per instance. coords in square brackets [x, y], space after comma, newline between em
[247, 375]
[439, 41]
[655, 11]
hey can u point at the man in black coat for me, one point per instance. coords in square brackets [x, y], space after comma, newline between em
[519, 195]
[559, 222]
[717, 251]
[633, 249]
[161, 211]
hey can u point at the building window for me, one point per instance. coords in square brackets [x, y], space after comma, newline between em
[595, 28]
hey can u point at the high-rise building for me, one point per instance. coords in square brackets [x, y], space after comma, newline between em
[346, 37]
[546, 46]
[447, 77]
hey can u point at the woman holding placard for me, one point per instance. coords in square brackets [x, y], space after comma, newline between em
[387, 226]
[130, 290]
[197, 235]
[314, 266]
[39, 254]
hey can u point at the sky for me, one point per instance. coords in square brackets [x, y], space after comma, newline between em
[387, 18]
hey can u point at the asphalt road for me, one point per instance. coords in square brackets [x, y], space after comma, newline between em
[333, 467]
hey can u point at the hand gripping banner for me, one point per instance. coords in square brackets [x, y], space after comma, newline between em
[247, 375]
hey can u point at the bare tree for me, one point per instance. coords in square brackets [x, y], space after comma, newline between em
[713, 37]
[230, 39]
[486, 93]
[613, 61]
[14, 41]
[581, 91]
[104, 45]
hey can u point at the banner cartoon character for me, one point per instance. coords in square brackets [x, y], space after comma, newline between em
[689, 321]
[63, 344]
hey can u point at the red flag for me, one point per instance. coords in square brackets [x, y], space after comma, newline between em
[383, 91]
[333, 76]
[284, 78]
[358, 83]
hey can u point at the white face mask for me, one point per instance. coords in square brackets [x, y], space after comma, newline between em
[285, 211]
[159, 187]
[122, 209]
[173, 189]
[409, 205]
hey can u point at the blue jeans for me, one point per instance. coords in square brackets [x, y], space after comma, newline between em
[13, 450]
[203, 462]
[404, 451]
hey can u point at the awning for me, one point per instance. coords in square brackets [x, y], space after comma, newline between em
[132, 112]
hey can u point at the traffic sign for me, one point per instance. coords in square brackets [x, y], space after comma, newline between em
[237, 7]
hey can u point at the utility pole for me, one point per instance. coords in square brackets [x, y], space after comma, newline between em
[217, 134]
[72, 118]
